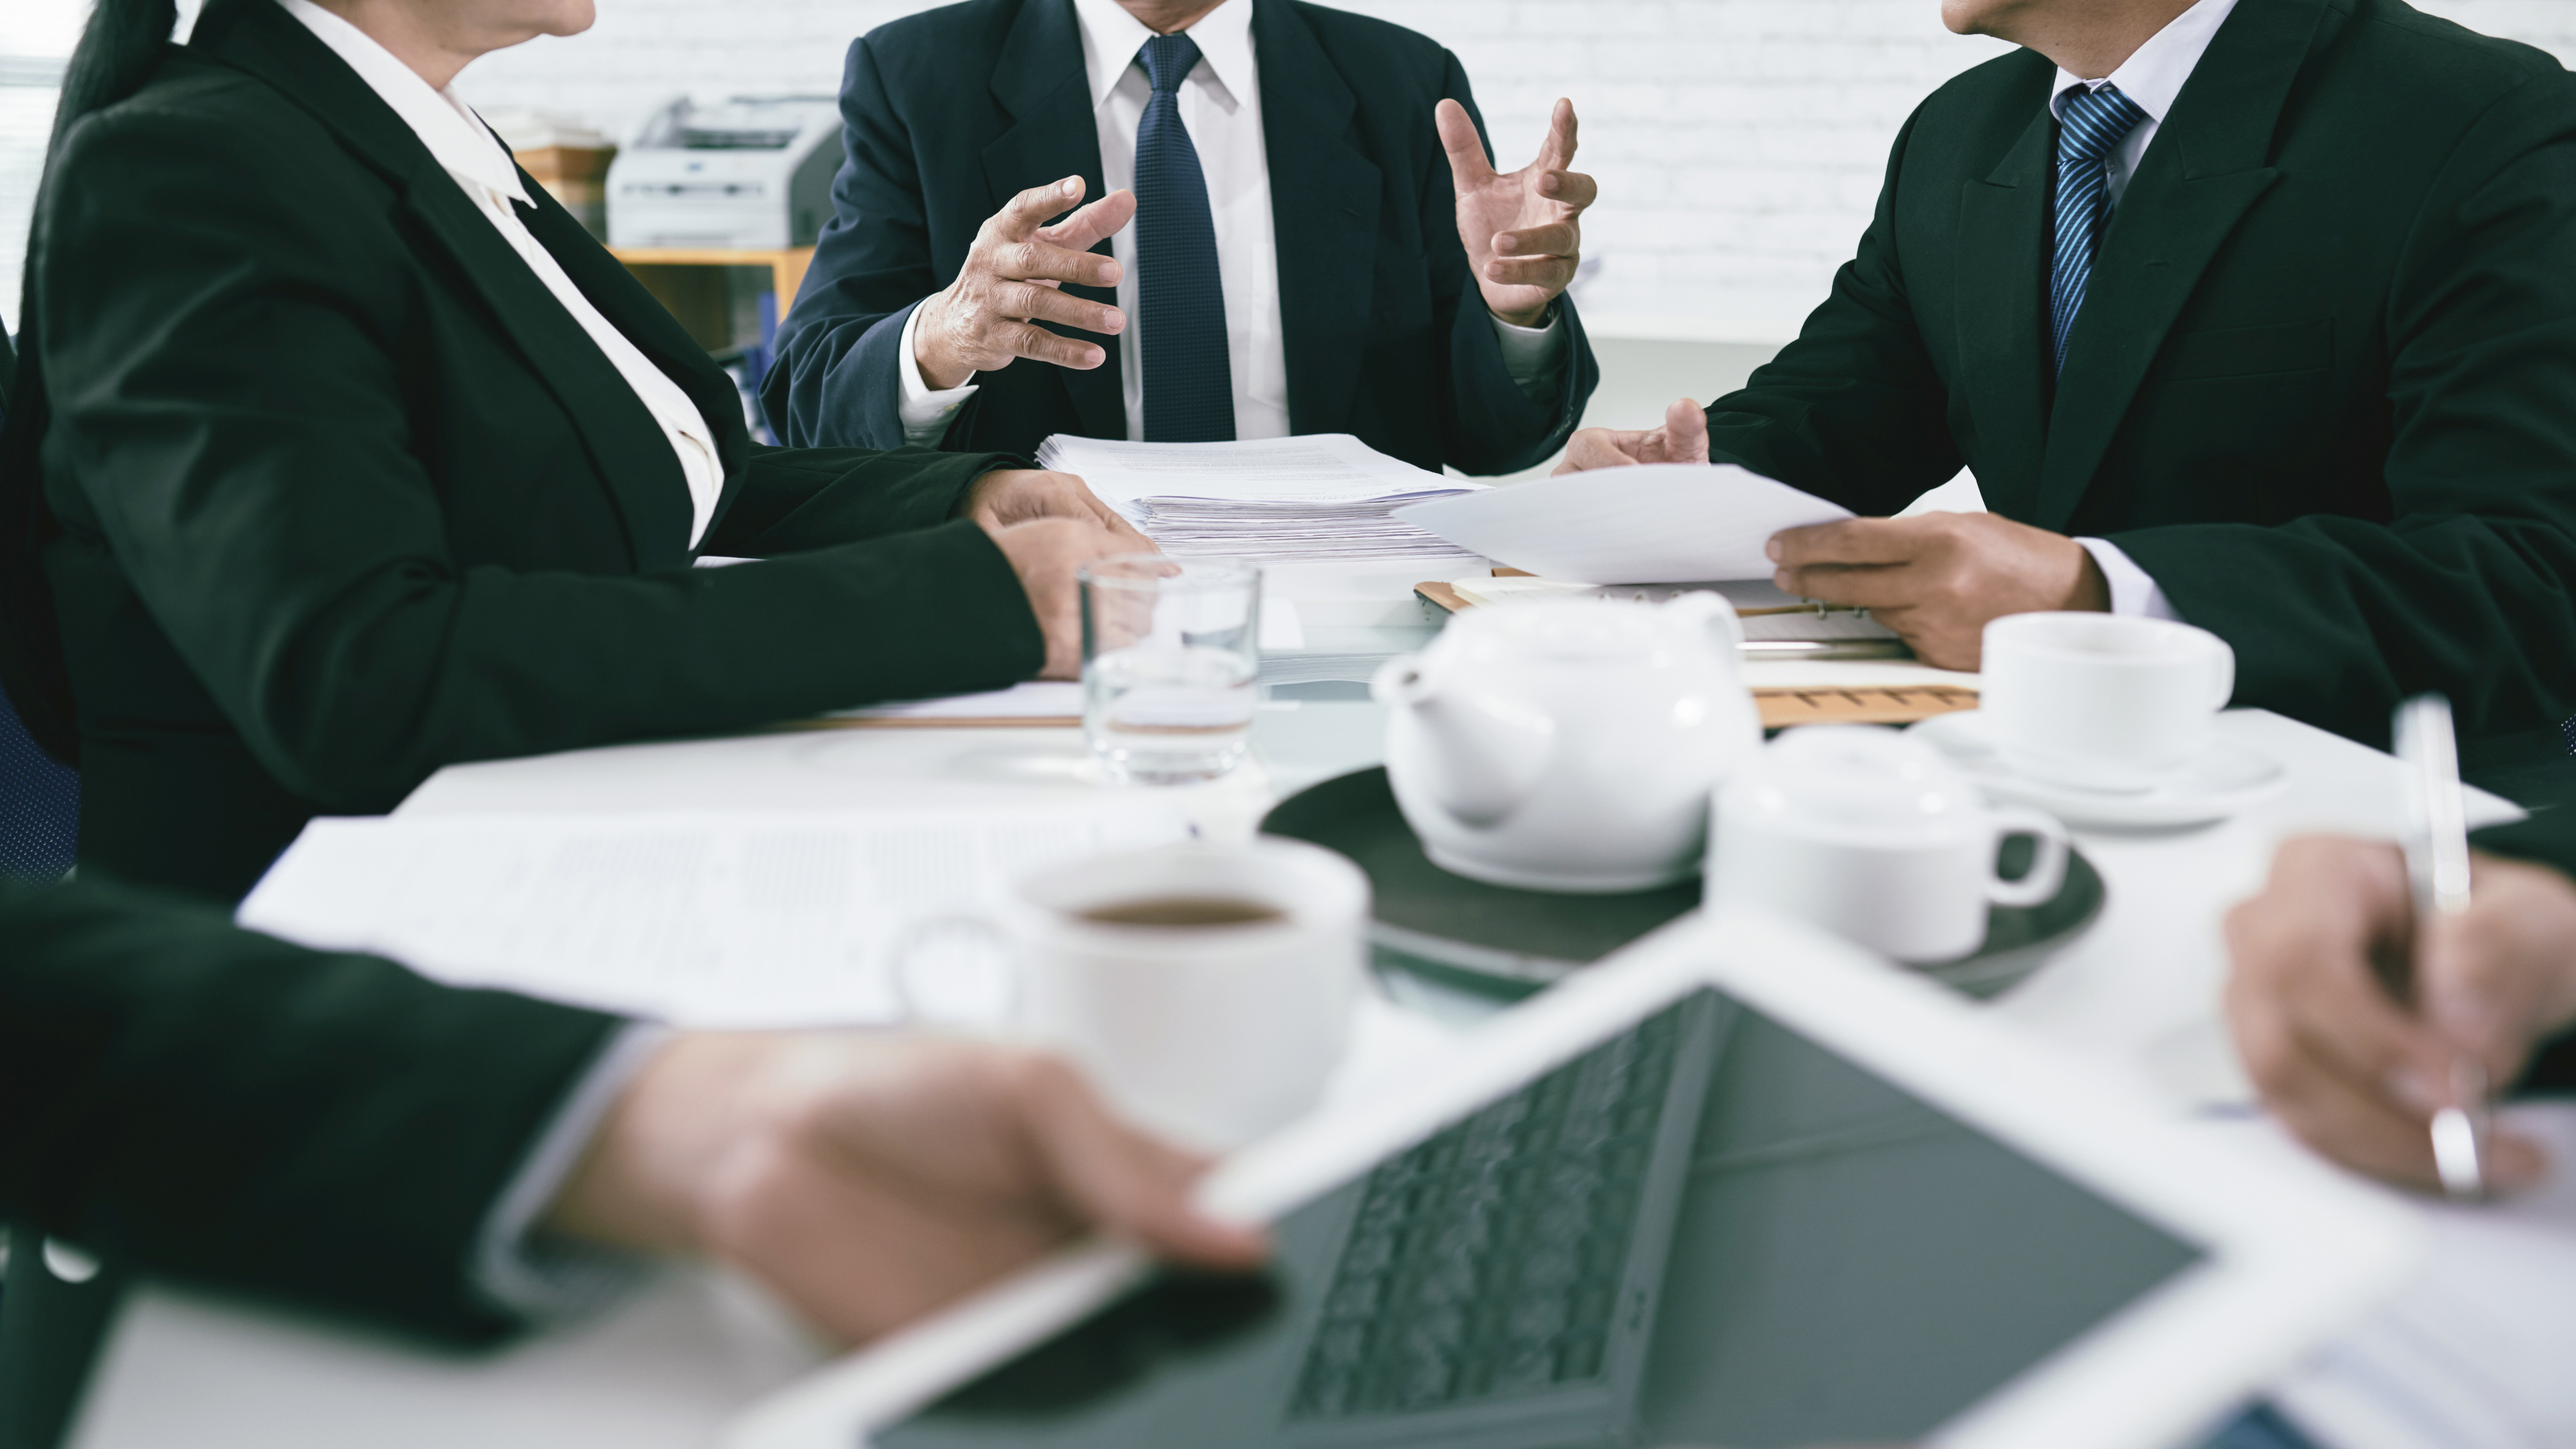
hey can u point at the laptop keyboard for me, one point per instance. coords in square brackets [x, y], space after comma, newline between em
[1487, 1262]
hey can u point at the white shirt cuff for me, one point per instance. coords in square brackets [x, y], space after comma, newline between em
[518, 1268]
[2134, 593]
[925, 410]
[1534, 356]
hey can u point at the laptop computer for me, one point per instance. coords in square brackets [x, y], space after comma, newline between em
[1738, 1185]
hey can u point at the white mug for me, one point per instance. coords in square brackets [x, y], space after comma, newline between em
[1211, 1031]
[1875, 837]
[2100, 702]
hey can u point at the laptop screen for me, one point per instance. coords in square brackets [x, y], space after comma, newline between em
[1707, 1230]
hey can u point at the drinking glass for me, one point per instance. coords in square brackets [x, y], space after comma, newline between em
[1171, 662]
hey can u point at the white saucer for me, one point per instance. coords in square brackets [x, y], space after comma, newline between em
[2225, 779]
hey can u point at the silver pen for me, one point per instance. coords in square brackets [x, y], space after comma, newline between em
[2436, 841]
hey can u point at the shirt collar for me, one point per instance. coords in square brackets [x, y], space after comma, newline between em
[455, 136]
[1111, 37]
[2154, 75]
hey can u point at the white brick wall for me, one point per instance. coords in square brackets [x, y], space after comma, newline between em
[1738, 142]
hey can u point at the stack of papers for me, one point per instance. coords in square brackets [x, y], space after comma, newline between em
[1643, 525]
[704, 920]
[1327, 498]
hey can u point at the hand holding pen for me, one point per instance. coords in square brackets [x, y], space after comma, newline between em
[2371, 1026]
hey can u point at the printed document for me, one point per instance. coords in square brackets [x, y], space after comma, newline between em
[1643, 525]
[1323, 498]
[704, 920]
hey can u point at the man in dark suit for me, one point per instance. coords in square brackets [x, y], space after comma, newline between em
[2256, 313]
[1303, 256]
[188, 1099]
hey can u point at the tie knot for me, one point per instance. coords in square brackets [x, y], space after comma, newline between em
[1168, 59]
[2094, 123]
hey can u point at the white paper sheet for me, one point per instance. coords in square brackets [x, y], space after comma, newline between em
[705, 920]
[1628, 525]
[1321, 498]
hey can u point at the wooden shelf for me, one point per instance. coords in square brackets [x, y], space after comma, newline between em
[687, 280]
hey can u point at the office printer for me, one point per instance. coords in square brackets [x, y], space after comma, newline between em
[753, 173]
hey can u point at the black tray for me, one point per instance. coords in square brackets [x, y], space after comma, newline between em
[1446, 925]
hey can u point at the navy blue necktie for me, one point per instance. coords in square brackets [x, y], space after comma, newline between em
[2094, 125]
[1189, 382]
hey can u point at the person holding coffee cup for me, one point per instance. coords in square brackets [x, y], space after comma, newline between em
[2359, 1074]
[191, 1099]
[2259, 314]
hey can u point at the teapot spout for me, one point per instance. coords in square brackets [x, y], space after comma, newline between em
[1476, 758]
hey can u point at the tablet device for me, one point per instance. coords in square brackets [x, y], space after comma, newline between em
[1737, 1185]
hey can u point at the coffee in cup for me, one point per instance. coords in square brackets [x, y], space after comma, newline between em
[2102, 702]
[1206, 990]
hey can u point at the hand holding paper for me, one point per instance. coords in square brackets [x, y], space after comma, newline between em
[1642, 525]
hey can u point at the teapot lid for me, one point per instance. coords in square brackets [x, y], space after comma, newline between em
[1835, 778]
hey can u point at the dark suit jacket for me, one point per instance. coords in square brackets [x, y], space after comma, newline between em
[188, 1098]
[2323, 388]
[317, 488]
[950, 113]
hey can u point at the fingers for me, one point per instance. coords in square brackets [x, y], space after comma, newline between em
[1558, 150]
[1022, 215]
[1603, 448]
[1022, 339]
[1685, 432]
[1848, 542]
[1569, 188]
[2501, 975]
[1554, 274]
[1468, 167]
[1037, 260]
[1132, 1186]
[1088, 227]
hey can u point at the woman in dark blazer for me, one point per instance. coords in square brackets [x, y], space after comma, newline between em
[311, 486]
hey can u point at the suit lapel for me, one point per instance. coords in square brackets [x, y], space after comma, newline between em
[620, 433]
[2202, 173]
[1040, 80]
[1324, 198]
[2002, 251]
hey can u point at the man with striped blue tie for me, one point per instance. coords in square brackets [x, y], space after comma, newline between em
[1294, 226]
[2260, 314]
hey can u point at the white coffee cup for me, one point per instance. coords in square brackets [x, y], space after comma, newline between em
[1875, 837]
[2099, 702]
[1210, 1032]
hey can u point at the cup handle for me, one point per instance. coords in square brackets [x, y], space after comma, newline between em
[899, 959]
[2222, 676]
[2047, 871]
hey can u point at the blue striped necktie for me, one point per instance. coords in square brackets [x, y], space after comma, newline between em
[2093, 126]
[1189, 382]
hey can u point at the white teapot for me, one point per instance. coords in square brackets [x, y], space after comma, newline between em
[1570, 744]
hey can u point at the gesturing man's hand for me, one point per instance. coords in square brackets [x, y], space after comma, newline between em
[1013, 280]
[1523, 229]
[1938, 577]
[1682, 439]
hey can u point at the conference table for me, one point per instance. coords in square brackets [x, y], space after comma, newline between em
[2479, 1351]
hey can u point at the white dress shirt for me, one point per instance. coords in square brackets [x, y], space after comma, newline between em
[1220, 104]
[459, 142]
[2152, 77]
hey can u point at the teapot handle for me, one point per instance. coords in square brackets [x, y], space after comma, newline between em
[1703, 608]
